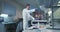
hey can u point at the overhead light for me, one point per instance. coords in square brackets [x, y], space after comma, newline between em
[59, 2]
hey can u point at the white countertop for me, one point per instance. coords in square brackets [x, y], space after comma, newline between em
[8, 22]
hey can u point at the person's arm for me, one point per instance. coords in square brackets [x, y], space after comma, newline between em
[32, 10]
[32, 17]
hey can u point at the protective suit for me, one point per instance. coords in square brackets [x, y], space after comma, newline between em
[27, 17]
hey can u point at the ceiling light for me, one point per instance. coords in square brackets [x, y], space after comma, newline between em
[59, 2]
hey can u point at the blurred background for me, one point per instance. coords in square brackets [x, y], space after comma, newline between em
[11, 13]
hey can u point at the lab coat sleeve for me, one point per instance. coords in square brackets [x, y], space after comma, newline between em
[32, 10]
[32, 17]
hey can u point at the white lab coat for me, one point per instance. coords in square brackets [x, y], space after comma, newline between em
[27, 17]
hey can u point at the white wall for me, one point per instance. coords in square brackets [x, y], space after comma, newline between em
[18, 12]
[18, 9]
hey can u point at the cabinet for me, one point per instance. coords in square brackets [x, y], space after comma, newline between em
[8, 27]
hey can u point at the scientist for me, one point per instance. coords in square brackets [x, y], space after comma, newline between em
[26, 16]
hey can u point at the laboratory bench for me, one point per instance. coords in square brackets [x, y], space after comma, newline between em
[8, 26]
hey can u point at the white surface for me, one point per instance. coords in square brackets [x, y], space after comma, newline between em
[8, 22]
[45, 30]
[33, 30]
[5, 16]
[39, 20]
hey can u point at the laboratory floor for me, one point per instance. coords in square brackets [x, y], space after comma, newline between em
[45, 30]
